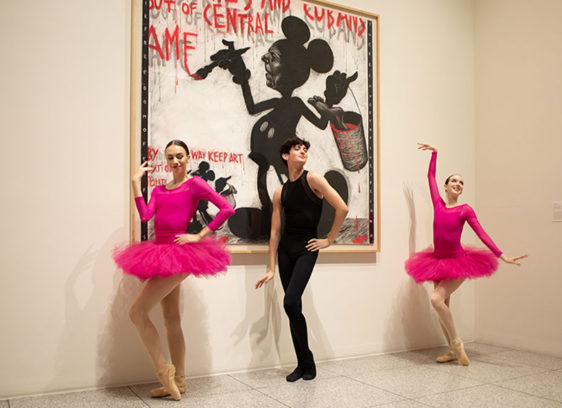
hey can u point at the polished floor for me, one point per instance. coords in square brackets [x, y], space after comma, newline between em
[497, 377]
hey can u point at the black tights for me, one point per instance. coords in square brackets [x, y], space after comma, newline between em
[295, 267]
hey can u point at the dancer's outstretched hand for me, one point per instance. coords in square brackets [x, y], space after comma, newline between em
[513, 260]
[425, 146]
[264, 279]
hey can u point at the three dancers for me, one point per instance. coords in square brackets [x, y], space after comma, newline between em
[173, 255]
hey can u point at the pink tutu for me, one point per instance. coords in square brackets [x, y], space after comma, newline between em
[426, 266]
[148, 259]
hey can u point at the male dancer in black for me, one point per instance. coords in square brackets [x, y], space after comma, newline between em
[300, 199]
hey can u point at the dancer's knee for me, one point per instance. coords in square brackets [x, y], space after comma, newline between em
[437, 301]
[172, 320]
[137, 315]
[291, 305]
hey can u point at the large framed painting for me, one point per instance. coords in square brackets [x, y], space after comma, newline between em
[234, 79]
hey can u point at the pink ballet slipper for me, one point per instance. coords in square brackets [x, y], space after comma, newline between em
[162, 392]
[458, 349]
[446, 358]
[166, 376]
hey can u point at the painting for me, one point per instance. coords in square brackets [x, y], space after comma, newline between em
[234, 79]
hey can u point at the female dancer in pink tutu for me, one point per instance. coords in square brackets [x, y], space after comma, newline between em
[173, 255]
[448, 263]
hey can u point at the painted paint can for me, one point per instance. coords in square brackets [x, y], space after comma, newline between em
[351, 143]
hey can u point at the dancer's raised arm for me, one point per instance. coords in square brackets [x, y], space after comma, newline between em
[145, 212]
[433, 189]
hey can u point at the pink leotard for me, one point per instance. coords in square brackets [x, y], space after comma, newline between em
[449, 222]
[174, 208]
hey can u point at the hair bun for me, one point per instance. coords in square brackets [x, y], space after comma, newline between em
[320, 56]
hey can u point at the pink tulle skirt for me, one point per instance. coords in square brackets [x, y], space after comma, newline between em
[148, 259]
[426, 266]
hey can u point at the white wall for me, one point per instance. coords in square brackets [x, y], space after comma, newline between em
[519, 170]
[64, 124]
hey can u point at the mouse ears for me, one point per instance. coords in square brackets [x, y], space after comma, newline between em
[319, 54]
[295, 30]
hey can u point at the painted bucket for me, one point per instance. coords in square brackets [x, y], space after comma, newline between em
[351, 143]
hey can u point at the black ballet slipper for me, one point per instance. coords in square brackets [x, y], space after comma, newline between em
[309, 369]
[295, 375]
[309, 373]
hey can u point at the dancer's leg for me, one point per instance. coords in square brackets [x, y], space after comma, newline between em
[285, 263]
[172, 320]
[439, 298]
[441, 293]
[292, 303]
[153, 292]
[450, 356]
[176, 341]
[441, 324]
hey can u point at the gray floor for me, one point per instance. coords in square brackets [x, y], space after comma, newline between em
[497, 377]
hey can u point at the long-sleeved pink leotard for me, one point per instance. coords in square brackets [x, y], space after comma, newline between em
[173, 209]
[448, 259]
[448, 223]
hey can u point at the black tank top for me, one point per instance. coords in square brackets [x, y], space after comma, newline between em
[301, 206]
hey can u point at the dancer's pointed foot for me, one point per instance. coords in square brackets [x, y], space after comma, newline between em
[295, 375]
[446, 358]
[458, 348]
[166, 376]
[162, 392]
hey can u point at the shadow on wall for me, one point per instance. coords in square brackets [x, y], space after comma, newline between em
[194, 324]
[317, 338]
[269, 335]
[121, 356]
[75, 327]
[264, 333]
[412, 318]
[118, 346]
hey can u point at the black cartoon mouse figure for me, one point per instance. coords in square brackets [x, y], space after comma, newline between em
[288, 64]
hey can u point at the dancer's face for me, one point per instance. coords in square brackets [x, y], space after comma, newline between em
[455, 185]
[297, 154]
[177, 159]
[273, 67]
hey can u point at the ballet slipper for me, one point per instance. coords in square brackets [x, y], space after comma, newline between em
[309, 369]
[458, 349]
[166, 376]
[295, 375]
[450, 356]
[309, 373]
[445, 358]
[162, 392]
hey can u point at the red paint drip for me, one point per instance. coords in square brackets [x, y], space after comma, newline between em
[177, 56]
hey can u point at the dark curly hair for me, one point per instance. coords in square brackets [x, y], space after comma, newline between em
[289, 143]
